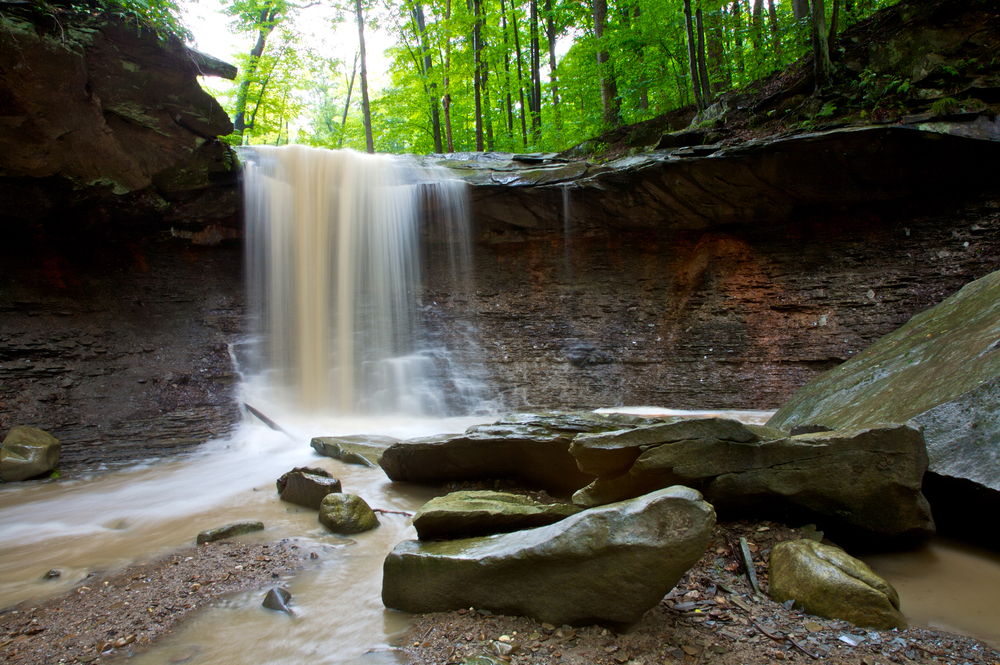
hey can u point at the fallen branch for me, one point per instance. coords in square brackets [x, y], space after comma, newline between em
[264, 419]
[391, 512]
[783, 638]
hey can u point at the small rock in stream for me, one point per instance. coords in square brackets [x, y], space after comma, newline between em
[229, 531]
[277, 599]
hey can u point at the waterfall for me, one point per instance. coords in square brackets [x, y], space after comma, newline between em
[334, 280]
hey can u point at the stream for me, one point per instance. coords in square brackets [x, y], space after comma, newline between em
[110, 520]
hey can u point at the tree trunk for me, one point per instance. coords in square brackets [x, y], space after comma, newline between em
[267, 23]
[822, 66]
[347, 104]
[738, 37]
[717, 54]
[446, 101]
[520, 73]
[800, 9]
[477, 73]
[609, 90]
[550, 34]
[693, 57]
[772, 15]
[506, 69]
[536, 72]
[418, 16]
[834, 27]
[365, 107]
[706, 84]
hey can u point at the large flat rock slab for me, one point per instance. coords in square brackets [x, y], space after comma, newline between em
[862, 480]
[532, 448]
[941, 370]
[605, 565]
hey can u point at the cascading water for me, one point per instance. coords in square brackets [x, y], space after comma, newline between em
[334, 280]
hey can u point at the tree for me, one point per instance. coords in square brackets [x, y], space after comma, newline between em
[822, 67]
[609, 90]
[365, 105]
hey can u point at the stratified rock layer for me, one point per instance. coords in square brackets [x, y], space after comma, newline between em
[828, 582]
[608, 565]
[941, 370]
[470, 514]
[533, 448]
[863, 480]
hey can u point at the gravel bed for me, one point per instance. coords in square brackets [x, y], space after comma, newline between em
[116, 614]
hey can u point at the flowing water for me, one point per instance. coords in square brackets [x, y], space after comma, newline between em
[334, 276]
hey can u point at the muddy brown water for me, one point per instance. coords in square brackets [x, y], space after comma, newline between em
[108, 521]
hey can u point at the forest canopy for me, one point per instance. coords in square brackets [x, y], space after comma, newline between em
[507, 75]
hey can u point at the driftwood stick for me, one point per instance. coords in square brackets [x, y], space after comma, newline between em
[391, 512]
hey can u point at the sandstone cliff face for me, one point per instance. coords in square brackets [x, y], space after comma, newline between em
[103, 126]
[109, 337]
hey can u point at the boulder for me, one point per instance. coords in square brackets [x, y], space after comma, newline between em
[606, 565]
[229, 531]
[311, 470]
[347, 513]
[532, 448]
[828, 582]
[940, 370]
[469, 514]
[306, 489]
[863, 480]
[27, 452]
[613, 453]
[362, 449]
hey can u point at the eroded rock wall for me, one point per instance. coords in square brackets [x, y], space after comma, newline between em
[731, 317]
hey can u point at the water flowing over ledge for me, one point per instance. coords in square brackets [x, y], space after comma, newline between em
[334, 279]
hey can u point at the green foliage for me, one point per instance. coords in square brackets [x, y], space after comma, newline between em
[945, 106]
[300, 96]
[159, 16]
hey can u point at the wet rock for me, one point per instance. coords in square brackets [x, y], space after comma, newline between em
[828, 582]
[277, 599]
[941, 370]
[229, 531]
[347, 513]
[52, 574]
[27, 452]
[362, 449]
[863, 480]
[614, 453]
[533, 448]
[307, 489]
[469, 514]
[608, 564]
[311, 470]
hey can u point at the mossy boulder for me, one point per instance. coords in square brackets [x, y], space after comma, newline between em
[346, 514]
[828, 582]
[28, 452]
[605, 565]
[469, 514]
